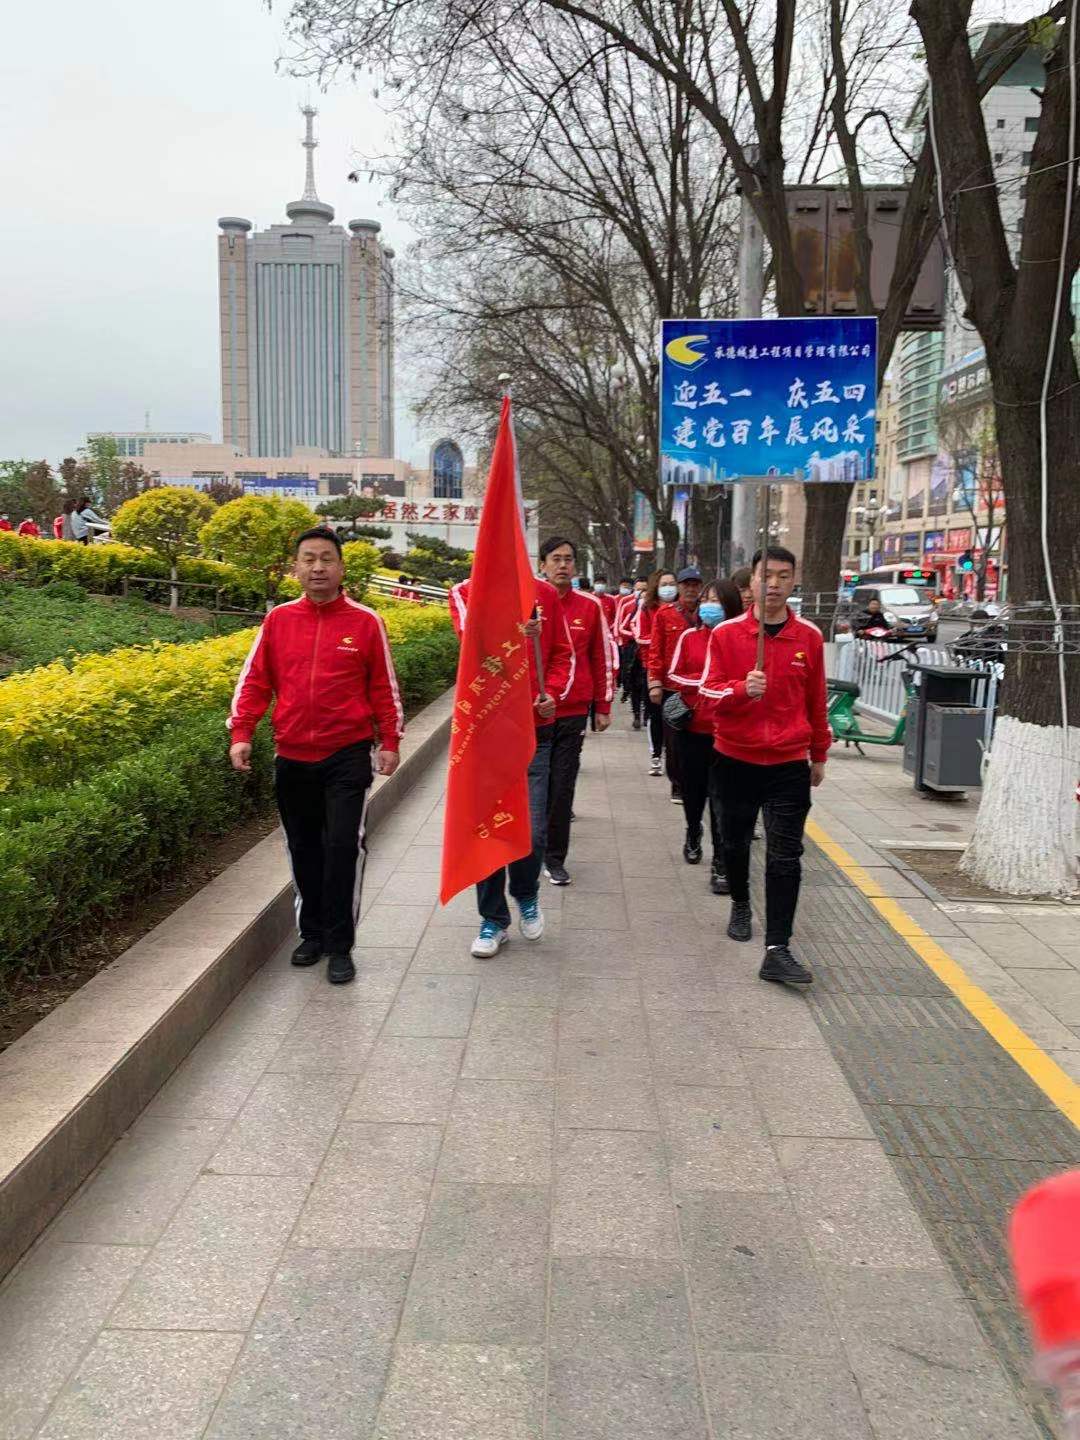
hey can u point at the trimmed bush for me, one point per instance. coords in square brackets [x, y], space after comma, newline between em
[70, 857]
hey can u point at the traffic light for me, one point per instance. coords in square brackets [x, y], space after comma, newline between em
[966, 561]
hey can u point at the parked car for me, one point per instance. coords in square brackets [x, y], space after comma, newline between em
[908, 609]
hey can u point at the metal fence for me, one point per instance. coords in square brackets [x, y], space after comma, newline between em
[415, 591]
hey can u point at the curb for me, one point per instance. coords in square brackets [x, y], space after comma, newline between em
[71, 1086]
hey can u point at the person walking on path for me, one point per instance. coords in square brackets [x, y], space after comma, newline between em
[719, 601]
[772, 738]
[82, 517]
[631, 673]
[593, 684]
[557, 660]
[29, 529]
[62, 522]
[608, 603]
[327, 661]
[669, 622]
[660, 589]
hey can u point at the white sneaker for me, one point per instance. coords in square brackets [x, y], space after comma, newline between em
[532, 918]
[490, 941]
[656, 765]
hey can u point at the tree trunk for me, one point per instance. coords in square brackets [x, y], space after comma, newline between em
[669, 536]
[174, 589]
[1025, 836]
[823, 545]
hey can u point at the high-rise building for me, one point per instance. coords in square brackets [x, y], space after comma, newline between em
[307, 331]
[132, 443]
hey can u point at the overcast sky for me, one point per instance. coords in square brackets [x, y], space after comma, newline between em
[129, 129]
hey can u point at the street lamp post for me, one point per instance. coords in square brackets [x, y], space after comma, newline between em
[870, 516]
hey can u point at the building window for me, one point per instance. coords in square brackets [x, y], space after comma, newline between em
[1000, 124]
[1031, 124]
[1025, 158]
[447, 468]
[999, 155]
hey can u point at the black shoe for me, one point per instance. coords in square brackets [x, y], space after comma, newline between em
[718, 882]
[636, 725]
[623, 698]
[740, 926]
[557, 875]
[781, 966]
[340, 969]
[692, 849]
[308, 952]
[676, 794]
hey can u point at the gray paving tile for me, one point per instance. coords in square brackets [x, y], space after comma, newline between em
[622, 1353]
[285, 1127]
[607, 1101]
[409, 1079]
[590, 913]
[803, 1092]
[594, 1042]
[372, 1191]
[144, 1387]
[463, 1392]
[511, 1042]
[612, 1195]
[481, 1272]
[446, 952]
[1058, 990]
[316, 1359]
[768, 1017]
[216, 1078]
[591, 993]
[50, 1309]
[519, 980]
[330, 1038]
[434, 1005]
[753, 1281]
[717, 1140]
[379, 973]
[695, 1048]
[131, 1197]
[773, 1397]
[393, 925]
[853, 1207]
[499, 1133]
[214, 1261]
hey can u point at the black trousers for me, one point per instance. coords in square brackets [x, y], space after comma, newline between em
[696, 755]
[783, 792]
[565, 764]
[322, 806]
[633, 677]
[524, 874]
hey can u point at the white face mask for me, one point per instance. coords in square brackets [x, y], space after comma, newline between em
[625, 590]
[668, 592]
[600, 588]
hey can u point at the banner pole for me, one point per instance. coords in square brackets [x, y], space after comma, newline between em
[537, 657]
[760, 664]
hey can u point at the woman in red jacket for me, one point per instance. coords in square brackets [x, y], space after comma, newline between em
[660, 590]
[719, 601]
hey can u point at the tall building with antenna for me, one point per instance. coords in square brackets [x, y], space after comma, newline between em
[307, 330]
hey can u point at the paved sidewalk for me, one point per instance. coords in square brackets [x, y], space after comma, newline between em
[1025, 956]
[605, 1186]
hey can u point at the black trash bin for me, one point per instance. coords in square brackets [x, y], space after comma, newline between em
[939, 685]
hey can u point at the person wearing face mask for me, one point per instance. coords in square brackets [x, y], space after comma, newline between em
[631, 675]
[660, 589]
[719, 601]
[672, 618]
[608, 602]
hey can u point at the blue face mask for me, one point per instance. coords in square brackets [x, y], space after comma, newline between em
[667, 592]
[576, 583]
[711, 613]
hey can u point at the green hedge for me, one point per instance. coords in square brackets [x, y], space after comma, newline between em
[72, 855]
[69, 858]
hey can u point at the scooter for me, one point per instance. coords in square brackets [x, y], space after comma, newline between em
[842, 695]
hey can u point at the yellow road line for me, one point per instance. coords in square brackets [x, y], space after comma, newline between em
[1047, 1074]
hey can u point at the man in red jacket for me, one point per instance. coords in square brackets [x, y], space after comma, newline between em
[557, 659]
[669, 622]
[327, 660]
[772, 737]
[593, 684]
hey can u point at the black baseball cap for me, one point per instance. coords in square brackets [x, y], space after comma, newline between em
[689, 572]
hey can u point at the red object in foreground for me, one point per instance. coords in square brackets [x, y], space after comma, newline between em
[1044, 1237]
[492, 734]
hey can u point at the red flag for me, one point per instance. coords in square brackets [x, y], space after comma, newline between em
[492, 733]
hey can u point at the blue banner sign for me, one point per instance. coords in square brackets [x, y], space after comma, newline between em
[782, 399]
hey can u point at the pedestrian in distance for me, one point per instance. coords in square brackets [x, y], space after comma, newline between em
[660, 589]
[631, 671]
[326, 661]
[741, 580]
[670, 620]
[592, 684]
[608, 603]
[547, 630]
[772, 737]
[82, 517]
[719, 601]
[5, 523]
[29, 529]
[62, 528]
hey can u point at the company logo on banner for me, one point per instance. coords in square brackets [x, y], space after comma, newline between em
[754, 399]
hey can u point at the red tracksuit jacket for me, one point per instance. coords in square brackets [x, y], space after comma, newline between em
[669, 622]
[788, 722]
[624, 618]
[594, 678]
[330, 668]
[684, 675]
[609, 604]
[556, 651]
